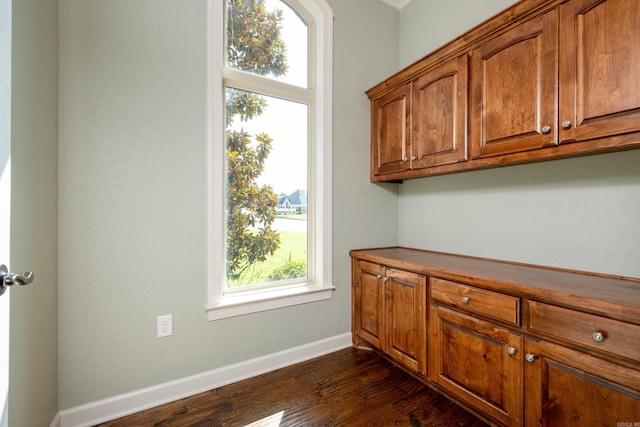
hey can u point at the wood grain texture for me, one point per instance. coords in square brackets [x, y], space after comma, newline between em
[439, 116]
[605, 295]
[391, 132]
[567, 387]
[469, 359]
[368, 299]
[513, 90]
[525, 344]
[406, 318]
[346, 388]
[599, 65]
[547, 79]
[618, 338]
[487, 303]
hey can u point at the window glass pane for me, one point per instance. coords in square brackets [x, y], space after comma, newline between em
[259, 29]
[266, 190]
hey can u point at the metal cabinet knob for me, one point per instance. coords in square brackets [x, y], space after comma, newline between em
[566, 124]
[512, 350]
[405, 159]
[378, 276]
[598, 336]
[465, 300]
[546, 129]
[413, 157]
[530, 357]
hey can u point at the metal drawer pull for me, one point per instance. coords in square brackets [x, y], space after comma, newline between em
[598, 336]
[465, 300]
[530, 357]
[512, 350]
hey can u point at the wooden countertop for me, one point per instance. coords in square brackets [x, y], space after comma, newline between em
[607, 295]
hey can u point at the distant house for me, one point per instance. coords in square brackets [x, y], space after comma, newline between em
[295, 202]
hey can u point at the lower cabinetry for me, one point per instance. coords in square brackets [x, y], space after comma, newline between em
[566, 387]
[477, 362]
[520, 345]
[389, 307]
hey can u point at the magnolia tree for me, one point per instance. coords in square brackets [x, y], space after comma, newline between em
[253, 45]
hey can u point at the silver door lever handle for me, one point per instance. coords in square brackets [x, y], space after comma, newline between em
[9, 279]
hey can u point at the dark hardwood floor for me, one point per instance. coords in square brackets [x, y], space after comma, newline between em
[346, 388]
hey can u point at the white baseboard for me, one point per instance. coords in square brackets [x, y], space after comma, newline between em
[136, 401]
[56, 421]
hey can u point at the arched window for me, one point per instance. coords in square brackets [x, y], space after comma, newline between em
[270, 154]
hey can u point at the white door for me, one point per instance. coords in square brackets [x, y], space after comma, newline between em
[5, 193]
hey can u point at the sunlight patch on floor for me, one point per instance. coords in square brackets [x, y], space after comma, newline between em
[270, 421]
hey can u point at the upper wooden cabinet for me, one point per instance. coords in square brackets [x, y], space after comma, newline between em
[513, 89]
[390, 132]
[599, 70]
[439, 112]
[541, 80]
[422, 123]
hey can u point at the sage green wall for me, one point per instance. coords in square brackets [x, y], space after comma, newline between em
[581, 213]
[425, 25]
[132, 197]
[33, 350]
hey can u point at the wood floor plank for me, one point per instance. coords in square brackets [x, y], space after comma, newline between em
[346, 388]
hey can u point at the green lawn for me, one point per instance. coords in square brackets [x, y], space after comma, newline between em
[293, 245]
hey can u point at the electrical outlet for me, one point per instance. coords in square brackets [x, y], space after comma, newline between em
[165, 325]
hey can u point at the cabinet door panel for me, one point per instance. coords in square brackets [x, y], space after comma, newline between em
[513, 89]
[567, 387]
[406, 295]
[390, 132]
[599, 68]
[368, 301]
[466, 361]
[439, 115]
[470, 359]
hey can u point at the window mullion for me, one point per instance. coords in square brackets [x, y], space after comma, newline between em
[265, 86]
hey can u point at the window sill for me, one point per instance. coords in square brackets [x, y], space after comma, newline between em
[238, 305]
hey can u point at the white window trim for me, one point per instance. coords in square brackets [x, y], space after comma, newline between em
[219, 306]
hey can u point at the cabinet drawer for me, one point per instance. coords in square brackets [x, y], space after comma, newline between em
[589, 330]
[475, 300]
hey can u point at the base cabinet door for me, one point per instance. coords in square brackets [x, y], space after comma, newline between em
[368, 304]
[477, 362]
[389, 313]
[570, 388]
[407, 319]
